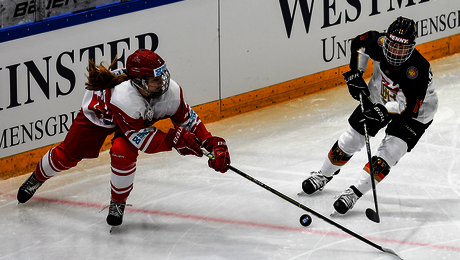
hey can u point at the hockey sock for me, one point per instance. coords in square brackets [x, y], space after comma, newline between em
[381, 170]
[335, 160]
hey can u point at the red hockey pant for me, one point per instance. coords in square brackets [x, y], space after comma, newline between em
[83, 141]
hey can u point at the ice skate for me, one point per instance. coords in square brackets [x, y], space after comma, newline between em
[28, 189]
[347, 200]
[315, 182]
[115, 216]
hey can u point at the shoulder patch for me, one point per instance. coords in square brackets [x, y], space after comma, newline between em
[412, 72]
[381, 41]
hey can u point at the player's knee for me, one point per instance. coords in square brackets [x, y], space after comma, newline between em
[61, 157]
[392, 149]
[123, 154]
[351, 141]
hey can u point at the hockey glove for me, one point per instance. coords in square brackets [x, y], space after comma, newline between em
[356, 84]
[377, 113]
[218, 147]
[183, 141]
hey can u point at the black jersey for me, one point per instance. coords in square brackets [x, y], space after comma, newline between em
[407, 90]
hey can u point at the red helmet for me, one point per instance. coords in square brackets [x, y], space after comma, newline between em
[145, 63]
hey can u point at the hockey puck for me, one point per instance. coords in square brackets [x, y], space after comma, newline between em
[305, 220]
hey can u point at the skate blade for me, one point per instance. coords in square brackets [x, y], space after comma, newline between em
[113, 229]
[334, 214]
[302, 193]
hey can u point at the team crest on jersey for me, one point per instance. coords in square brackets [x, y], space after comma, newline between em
[412, 72]
[149, 113]
[381, 41]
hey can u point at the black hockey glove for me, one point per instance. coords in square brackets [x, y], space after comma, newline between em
[356, 84]
[377, 113]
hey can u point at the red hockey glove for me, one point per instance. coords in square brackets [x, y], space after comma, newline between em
[218, 147]
[356, 84]
[183, 141]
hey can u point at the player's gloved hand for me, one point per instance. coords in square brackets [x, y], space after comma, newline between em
[184, 141]
[356, 84]
[218, 147]
[377, 113]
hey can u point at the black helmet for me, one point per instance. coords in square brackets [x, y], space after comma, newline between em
[400, 41]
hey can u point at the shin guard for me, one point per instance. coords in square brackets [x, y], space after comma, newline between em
[123, 164]
[53, 162]
[381, 169]
[337, 156]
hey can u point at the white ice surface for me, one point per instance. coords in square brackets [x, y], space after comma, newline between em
[184, 210]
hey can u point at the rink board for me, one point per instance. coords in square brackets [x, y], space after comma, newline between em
[233, 66]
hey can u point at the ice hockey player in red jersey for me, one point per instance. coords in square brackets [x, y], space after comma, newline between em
[400, 96]
[127, 102]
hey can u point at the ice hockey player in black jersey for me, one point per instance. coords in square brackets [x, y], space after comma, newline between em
[399, 96]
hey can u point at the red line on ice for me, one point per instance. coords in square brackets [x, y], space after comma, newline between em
[245, 223]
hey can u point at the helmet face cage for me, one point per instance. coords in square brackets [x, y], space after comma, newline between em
[397, 53]
[400, 41]
[143, 64]
[165, 76]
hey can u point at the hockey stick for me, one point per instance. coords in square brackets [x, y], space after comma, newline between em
[370, 213]
[300, 205]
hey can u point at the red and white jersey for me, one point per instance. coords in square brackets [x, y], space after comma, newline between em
[123, 106]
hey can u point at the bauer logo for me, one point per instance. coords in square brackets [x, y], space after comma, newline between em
[159, 71]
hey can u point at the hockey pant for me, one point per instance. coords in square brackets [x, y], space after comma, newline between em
[84, 141]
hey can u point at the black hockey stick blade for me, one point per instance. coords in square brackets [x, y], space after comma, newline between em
[372, 215]
[389, 251]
